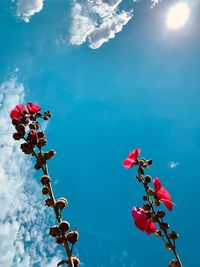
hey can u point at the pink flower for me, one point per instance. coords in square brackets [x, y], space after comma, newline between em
[131, 160]
[17, 112]
[33, 108]
[162, 193]
[142, 221]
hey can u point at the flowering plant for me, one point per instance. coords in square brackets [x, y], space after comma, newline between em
[27, 126]
[148, 218]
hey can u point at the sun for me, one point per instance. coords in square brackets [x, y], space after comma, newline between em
[178, 15]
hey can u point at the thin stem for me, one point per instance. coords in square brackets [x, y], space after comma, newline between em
[58, 217]
[172, 246]
[57, 214]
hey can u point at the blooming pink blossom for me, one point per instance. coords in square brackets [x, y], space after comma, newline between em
[162, 193]
[142, 221]
[33, 108]
[17, 112]
[131, 160]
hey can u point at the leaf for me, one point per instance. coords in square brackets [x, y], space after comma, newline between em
[61, 263]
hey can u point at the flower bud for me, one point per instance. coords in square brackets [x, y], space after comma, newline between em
[147, 179]
[160, 214]
[150, 192]
[139, 178]
[149, 161]
[168, 246]
[75, 261]
[37, 166]
[173, 263]
[42, 142]
[156, 202]
[72, 237]
[14, 122]
[59, 240]
[145, 198]
[38, 115]
[49, 155]
[49, 202]
[173, 235]
[52, 152]
[64, 226]
[20, 128]
[26, 148]
[45, 179]
[37, 125]
[54, 231]
[61, 203]
[45, 191]
[40, 134]
[164, 226]
[32, 126]
[158, 233]
[16, 136]
[146, 207]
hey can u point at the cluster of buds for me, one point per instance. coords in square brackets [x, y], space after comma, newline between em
[25, 121]
[149, 218]
[63, 234]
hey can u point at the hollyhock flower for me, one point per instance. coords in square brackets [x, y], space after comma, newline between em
[162, 193]
[142, 221]
[131, 160]
[33, 108]
[33, 137]
[17, 112]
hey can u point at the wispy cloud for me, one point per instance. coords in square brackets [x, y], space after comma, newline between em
[27, 8]
[173, 164]
[23, 220]
[96, 21]
[155, 2]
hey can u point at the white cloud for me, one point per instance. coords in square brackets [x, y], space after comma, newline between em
[173, 164]
[24, 221]
[155, 2]
[27, 8]
[96, 21]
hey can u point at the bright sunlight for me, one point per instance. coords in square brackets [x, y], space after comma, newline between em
[178, 15]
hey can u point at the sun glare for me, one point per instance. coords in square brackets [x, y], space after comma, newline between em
[178, 15]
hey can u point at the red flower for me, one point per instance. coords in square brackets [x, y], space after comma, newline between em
[131, 160]
[33, 137]
[33, 108]
[162, 193]
[142, 221]
[17, 112]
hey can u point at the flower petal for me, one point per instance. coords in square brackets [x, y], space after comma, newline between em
[128, 163]
[33, 108]
[157, 183]
[17, 112]
[142, 222]
[165, 197]
[134, 154]
[162, 193]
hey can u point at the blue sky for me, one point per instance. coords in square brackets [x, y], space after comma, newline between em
[138, 89]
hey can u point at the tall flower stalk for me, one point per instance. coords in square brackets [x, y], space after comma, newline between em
[27, 125]
[149, 218]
